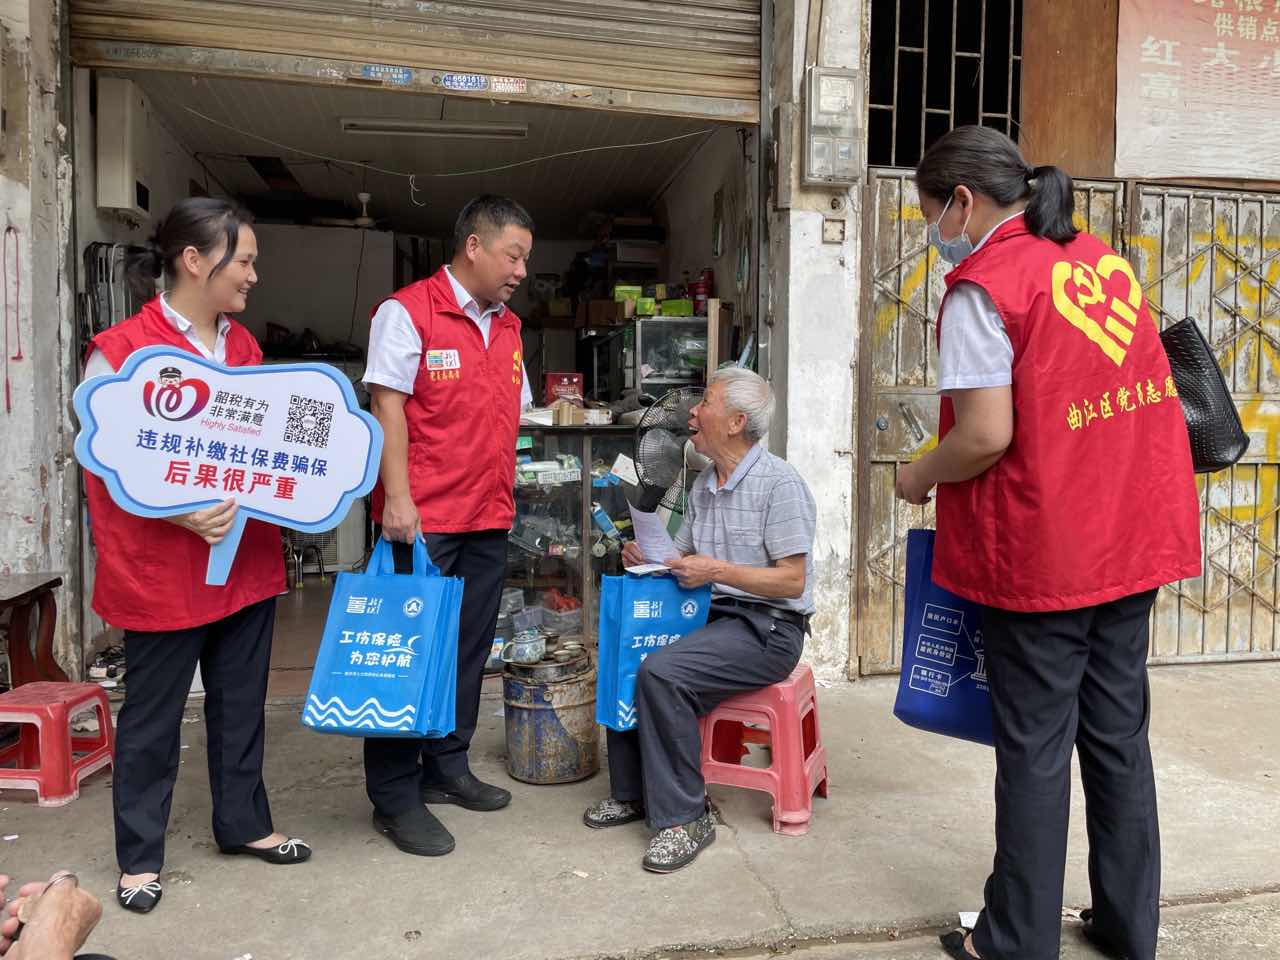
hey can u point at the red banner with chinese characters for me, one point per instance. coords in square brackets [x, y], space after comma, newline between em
[1198, 89]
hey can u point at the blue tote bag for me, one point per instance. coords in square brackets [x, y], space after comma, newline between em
[943, 686]
[639, 615]
[388, 661]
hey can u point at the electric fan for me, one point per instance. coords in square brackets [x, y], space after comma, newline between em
[665, 458]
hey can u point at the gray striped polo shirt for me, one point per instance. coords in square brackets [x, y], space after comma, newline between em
[763, 513]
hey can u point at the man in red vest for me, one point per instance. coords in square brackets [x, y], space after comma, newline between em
[446, 377]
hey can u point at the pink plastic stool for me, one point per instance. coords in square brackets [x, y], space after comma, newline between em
[789, 711]
[46, 751]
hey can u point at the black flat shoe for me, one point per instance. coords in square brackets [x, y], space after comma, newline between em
[415, 831]
[140, 899]
[953, 943]
[1100, 943]
[291, 851]
[466, 791]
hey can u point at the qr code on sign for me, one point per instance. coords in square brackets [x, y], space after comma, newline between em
[308, 421]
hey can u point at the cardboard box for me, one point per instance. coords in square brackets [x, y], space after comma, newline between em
[683, 307]
[558, 385]
[601, 313]
[624, 291]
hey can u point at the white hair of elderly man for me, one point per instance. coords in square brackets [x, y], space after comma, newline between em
[748, 393]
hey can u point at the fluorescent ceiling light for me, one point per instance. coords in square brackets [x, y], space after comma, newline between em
[460, 129]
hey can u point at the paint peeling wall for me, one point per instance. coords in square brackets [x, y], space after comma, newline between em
[39, 522]
[814, 292]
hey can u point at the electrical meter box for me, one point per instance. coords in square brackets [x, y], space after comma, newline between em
[832, 145]
[124, 134]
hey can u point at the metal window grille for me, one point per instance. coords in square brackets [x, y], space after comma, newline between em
[939, 64]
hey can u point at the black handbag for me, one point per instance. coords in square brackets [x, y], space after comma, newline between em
[1217, 437]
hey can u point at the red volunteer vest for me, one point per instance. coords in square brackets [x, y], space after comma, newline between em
[1095, 499]
[150, 573]
[463, 415]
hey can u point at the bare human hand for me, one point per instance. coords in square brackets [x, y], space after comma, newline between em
[60, 917]
[911, 486]
[9, 922]
[211, 524]
[695, 570]
[632, 555]
[401, 521]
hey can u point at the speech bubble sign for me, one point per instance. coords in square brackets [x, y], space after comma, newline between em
[172, 432]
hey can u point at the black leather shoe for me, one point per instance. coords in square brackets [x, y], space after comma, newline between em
[416, 831]
[1100, 942]
[291, 851]
[467, 791]
[953, 943]
[141, 898]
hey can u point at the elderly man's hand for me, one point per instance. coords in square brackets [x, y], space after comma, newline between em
[632, 555]
[61, 918]
[695, 570]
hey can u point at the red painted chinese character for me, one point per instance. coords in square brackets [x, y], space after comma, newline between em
[179, 471]
[260, 480]
[206, 475]
[284, 488]
[233, 480]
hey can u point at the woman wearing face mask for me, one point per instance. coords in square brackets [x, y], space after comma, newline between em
[150, 577]
[1066, 498]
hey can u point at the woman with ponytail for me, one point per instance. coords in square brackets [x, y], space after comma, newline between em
[150, 576]
[1065, 499]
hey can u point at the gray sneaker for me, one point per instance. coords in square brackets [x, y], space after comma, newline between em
[674, 847]
[612, 813]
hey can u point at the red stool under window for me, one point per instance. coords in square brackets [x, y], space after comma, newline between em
[49, 759]
[789, 712]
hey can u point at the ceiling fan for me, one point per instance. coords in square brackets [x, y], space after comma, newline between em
[362, 222]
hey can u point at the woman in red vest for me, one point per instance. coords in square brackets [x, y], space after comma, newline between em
[1066, 498]
[150, 577]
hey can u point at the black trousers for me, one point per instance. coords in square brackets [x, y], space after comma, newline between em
[659, 762]
[235, 658]
[1076, 678]
[396, 768]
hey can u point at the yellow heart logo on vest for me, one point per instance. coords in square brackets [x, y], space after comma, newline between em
[1077, 287]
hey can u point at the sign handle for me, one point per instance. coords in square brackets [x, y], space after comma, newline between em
[222, 554]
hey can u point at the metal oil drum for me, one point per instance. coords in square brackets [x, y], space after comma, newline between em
[550, 711]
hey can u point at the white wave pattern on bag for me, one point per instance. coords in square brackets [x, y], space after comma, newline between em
[370, 714]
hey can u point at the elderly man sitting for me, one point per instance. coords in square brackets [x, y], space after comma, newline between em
[748, 531]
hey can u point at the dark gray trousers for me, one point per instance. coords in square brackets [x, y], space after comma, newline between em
[1078, 679]
[234, 654]
[396, 768]
[660, 761]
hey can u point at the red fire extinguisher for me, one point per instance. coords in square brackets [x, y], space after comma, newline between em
[702, 290]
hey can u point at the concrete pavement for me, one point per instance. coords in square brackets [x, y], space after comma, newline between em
[902, 845]
[1244, 929]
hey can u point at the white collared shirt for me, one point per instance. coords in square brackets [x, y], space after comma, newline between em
[975, 350]
[98, 365]
[395, 349]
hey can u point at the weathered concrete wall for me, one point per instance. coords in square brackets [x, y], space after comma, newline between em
[39, 512]
[814, 292]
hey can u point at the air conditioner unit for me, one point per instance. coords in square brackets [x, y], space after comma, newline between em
[341, 548]
[124, 143]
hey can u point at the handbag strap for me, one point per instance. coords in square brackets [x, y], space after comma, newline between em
[382, 562]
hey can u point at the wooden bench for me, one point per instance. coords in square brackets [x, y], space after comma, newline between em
[26, 595]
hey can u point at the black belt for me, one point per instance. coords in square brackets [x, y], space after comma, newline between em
[777, 613]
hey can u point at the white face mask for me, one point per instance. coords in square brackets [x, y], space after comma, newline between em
[955, 249]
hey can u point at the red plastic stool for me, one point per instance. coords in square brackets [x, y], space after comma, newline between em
[789, 711]
[46, 751]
